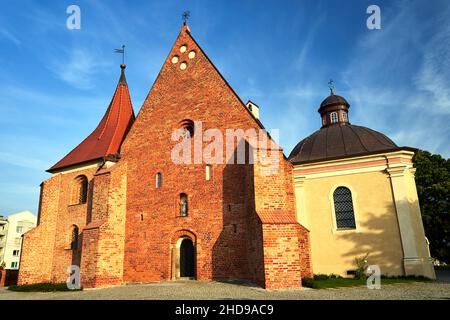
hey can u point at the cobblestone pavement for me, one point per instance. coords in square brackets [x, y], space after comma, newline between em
[217, 290]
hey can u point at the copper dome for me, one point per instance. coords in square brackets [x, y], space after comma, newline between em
[339, 141]
[333, 100]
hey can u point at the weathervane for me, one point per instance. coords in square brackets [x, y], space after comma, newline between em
[185, 16]
[122, 51]
[331, 86]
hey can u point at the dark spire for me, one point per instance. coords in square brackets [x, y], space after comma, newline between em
[123, 80]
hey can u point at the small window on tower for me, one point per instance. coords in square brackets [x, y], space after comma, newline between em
[334, 117]
[344, 116]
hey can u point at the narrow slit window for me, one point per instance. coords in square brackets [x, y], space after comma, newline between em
[208, 172]
[183, 205]
[74, 240]
[158, 180]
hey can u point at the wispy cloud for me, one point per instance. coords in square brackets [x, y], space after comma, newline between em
[23, 160]
[434, 75]
[5, 34]
[398, 79]
[78, 68]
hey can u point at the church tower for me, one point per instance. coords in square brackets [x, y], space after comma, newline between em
[73, 201]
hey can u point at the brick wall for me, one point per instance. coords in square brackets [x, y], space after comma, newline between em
[223, 211]
[38, 244]
[282, 264]
[46, 252]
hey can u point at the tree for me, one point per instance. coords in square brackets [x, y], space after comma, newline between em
[433, 188]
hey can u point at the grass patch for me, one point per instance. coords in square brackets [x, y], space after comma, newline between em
[41, 287]
[324, 281]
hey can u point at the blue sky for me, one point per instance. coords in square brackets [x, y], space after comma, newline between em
[56, 83]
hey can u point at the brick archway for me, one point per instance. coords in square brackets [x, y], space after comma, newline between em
[175, 251]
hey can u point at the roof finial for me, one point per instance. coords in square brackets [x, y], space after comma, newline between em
[122, 51]
[185, 16]
[122, 79]
[331, 86]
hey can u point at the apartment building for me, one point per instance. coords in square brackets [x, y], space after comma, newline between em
[11, 231]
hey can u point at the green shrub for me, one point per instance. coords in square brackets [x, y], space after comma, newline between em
[411, 277]
[361, 267]
[321, 277]
[309, 283]
[41, 287]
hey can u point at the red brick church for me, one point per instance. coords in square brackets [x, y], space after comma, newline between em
[121, 209]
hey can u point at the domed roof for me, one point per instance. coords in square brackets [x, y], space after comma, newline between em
[333, 100]
[339, 141]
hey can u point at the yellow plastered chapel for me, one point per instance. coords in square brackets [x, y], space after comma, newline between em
[355, 191]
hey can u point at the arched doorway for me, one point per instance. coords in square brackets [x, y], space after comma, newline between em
[187, 259]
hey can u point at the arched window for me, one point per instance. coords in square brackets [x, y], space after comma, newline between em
[79, 190]
[183, 205]
[158, 180]
[74, 238]
[188, 127]
[208, 172]
[343, 208]
[334, 117]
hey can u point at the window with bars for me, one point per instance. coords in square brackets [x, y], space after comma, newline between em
[334, 117]
[343, 208]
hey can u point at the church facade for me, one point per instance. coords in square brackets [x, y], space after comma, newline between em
[123, 208]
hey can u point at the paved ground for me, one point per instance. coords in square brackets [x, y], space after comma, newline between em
[217, 290]
[443, 276]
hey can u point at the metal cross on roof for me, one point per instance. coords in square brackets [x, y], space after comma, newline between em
[331, 86]
[185, 16]
[122, 51]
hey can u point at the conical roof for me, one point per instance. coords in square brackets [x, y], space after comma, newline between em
[107, 138]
